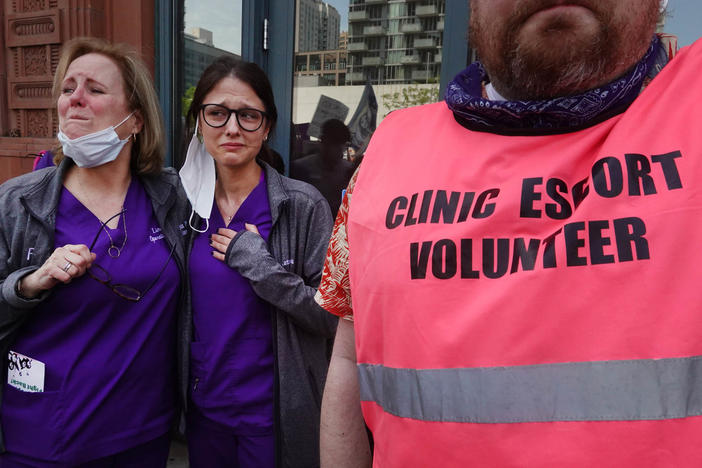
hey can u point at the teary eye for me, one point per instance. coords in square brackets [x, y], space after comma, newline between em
[248, 114]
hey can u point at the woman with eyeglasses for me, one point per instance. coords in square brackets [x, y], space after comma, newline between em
[259, 346]
[91, 270]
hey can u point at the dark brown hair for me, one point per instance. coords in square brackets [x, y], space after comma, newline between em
[249, 73]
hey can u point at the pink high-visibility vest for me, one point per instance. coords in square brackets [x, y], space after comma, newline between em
[534, 300]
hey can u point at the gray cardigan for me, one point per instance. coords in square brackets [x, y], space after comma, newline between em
[27, 226]
[285, 273]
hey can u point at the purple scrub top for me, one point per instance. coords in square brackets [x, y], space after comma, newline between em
[110, 363]
[231, 356]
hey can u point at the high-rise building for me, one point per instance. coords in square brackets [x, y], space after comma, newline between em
[199, 53]
[395, 42]
[343, 40]
[316, 26]
[330, 21]
[320, 68]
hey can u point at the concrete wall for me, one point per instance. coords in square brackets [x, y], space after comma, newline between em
[305, 99]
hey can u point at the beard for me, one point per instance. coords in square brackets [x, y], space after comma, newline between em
[562, 53]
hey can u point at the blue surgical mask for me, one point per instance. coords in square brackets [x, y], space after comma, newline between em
[94, 149]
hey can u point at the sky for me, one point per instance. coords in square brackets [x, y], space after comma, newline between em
[223, 18]
[342, 6]
[684, 20]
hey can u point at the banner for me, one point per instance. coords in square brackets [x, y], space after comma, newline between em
[363, 122]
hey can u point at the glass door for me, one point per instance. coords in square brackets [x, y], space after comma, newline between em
[211, 29]
[355, 61]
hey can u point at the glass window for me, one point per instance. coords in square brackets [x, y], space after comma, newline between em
[211, 29]
[389, 57]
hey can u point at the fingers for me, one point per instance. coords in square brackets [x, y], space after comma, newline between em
[220, 242]
[82, 250]
[252, 228]
[68, 262]
[229, 233]
[75, 263]
[64, 264]
[218, 255]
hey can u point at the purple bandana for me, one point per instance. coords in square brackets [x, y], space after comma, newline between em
[561, 114]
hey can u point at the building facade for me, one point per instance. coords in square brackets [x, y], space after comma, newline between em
[198, 53]
[34, 31]
[395, 42]
[317, 26]
[321, 68]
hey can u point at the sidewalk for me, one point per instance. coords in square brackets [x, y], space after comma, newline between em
[178, 458]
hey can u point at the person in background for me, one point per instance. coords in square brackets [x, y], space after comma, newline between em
[327, 170]
[91, 266]
[517, 266]
[43, 159]
[275, 160]
[259, 343]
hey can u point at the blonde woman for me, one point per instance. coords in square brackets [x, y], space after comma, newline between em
[91, 267]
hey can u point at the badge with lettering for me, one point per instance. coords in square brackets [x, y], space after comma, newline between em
[24, 373]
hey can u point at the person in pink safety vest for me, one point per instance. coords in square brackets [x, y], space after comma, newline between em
[516, 266]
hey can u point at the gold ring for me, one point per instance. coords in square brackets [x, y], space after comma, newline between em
[67, 266]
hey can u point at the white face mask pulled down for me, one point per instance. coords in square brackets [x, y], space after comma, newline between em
[94, 149]
[198, 177]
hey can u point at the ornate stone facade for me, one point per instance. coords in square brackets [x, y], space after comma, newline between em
[34, 31]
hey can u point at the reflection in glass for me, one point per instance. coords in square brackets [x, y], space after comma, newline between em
[212, 28]
[369, 57]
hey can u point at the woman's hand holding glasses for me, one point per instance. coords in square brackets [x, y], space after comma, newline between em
[64, 264]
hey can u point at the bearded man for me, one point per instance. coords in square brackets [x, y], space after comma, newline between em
[523, 270]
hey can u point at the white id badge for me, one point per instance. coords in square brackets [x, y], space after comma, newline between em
[24, 373]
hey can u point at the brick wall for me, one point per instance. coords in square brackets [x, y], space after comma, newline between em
[16, 154]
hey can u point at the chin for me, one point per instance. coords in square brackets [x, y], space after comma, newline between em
[234, 160]
[75, 131]
[560, 57]
[560, 34]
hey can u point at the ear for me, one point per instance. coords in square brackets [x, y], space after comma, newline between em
[198, 130]
[138, 122]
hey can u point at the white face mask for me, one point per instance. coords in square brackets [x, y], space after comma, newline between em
[94, 149]
[198, 177]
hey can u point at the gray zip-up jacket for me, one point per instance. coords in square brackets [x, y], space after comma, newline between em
[27, 227]
[285, 273]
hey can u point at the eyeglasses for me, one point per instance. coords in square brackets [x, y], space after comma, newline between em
[99, 274]
[216, 116]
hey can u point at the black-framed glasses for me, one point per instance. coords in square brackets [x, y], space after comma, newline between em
[217, 115]
[99, 274]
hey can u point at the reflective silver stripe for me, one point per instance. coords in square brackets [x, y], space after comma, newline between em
[581, 391]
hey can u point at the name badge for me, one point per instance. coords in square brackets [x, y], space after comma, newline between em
[24, 373]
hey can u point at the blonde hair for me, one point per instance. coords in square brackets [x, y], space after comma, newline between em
[148, 148]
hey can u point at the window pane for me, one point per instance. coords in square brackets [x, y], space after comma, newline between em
[212, 28]
[349, 54]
